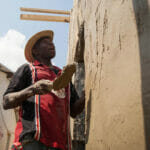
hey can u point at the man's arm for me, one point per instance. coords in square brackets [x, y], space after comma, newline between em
[12, 100]
[78, 106]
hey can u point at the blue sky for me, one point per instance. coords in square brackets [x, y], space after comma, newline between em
[15, 32]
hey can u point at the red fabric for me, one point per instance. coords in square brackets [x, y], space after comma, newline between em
[17, 146]
[37, 134]
[52, 120]
[18, 131]
[53, 112]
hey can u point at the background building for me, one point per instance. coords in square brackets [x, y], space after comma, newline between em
[7, 118]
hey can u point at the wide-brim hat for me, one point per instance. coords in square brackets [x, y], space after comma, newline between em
[33, 40]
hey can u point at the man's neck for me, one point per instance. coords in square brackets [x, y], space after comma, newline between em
[46, 62]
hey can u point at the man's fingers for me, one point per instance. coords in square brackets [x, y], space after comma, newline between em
[43, 86]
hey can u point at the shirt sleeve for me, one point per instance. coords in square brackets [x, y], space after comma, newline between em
[74, 95]
[21, 79]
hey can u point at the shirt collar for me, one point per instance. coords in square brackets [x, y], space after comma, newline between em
[37, 63]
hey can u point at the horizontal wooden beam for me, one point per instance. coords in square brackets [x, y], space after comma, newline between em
[45, 18]
[45, 11]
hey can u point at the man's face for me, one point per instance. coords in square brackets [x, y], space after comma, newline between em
[46, 48]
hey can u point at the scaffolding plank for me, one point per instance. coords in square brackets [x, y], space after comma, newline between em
[45, 11]
[45, 18]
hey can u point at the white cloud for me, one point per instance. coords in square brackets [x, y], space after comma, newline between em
[12, 49]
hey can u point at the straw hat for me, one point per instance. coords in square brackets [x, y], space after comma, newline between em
[33, 40]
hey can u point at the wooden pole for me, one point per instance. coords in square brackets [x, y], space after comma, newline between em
[45, 11]
[45, 18]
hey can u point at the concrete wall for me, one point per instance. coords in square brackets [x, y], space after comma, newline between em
[117, 71]
[7, 118]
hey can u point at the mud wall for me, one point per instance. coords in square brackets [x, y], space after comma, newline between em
[7, 118]
[117, 74]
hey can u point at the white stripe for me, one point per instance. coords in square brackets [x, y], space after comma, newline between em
[35, 116]
[39, 116]
[36, 110]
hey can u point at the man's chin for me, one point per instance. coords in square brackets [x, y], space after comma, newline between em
[53, 56]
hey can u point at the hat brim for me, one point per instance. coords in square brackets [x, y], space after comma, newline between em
[33, 40]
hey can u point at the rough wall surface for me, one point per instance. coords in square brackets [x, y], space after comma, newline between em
[79, 122]
[7, 118]
[117, 75]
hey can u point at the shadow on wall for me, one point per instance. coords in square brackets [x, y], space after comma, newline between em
[142, 15]
[88, 117]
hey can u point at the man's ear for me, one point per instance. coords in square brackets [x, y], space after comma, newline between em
[35, 52]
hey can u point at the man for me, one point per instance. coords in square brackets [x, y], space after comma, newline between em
[44, 96]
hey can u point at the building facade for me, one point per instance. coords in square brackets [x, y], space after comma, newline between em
[117, 76]
[7, 117]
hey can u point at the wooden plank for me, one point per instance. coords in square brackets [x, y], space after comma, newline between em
[45, 18]
[45, 11]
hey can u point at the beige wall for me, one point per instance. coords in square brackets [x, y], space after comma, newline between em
[7, 118]
[117, 72]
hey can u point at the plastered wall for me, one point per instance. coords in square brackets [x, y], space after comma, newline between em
[117, 74]
[7, 118]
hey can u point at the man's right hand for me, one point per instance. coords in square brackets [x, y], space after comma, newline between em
[42, 87]
[14, 99]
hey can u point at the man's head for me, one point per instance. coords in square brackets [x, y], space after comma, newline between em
[40, 44]
[43, 48]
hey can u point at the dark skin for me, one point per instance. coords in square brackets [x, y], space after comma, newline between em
[44, 53]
